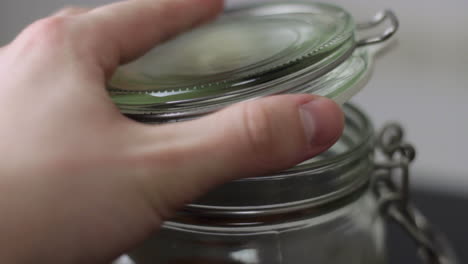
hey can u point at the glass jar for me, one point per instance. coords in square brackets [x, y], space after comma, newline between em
[327, 210]
[321, 211]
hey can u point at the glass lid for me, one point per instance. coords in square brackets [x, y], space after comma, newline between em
[249, 52]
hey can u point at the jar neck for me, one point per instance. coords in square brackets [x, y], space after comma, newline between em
[333, 179]
[250, 218]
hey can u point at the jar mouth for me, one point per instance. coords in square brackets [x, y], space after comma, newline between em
[341, 171]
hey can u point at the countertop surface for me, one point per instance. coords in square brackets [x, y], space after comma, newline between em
[447, 212]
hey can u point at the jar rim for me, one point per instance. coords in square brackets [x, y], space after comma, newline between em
[354, 152]
[338, 173]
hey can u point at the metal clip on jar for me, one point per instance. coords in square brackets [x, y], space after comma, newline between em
[328, 210]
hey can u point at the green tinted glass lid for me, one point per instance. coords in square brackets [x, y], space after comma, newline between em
[248, 52]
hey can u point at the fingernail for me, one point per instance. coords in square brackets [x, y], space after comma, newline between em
[322, 121]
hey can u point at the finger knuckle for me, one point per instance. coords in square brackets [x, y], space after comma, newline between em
[258, 130]
[51, 31]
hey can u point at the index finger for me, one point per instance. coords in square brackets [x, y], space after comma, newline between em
[128, 29]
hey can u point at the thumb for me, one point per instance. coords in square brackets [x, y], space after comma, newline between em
[249, 139]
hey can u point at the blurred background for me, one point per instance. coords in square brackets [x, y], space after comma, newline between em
[422, 83]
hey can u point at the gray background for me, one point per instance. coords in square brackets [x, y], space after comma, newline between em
[422, 83]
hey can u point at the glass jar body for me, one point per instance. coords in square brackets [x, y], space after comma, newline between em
[352, 234]
[321, 211]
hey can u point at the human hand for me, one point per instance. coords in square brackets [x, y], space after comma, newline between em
[79, 182]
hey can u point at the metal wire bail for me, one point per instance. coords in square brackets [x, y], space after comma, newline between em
[394, 199]
[378, 19]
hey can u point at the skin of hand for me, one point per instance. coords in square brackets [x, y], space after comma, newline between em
[81, 183]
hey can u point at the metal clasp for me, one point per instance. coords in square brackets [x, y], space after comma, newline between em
[378, 19]
[394, 198]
